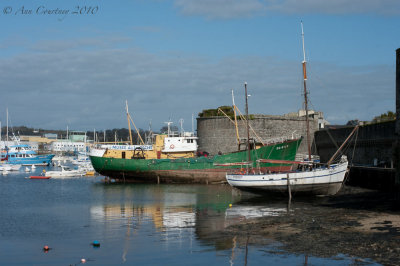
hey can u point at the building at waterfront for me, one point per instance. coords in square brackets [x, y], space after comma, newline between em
[75, 142]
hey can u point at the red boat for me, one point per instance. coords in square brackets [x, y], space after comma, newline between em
[39, 177]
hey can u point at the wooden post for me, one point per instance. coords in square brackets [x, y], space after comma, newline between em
[288, 188]
[396, 150]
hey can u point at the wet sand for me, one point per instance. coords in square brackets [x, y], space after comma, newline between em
[359, 223]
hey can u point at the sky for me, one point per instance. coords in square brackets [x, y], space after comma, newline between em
[75, 63]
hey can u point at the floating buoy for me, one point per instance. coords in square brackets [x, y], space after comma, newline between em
[83, 260]
[96, 243]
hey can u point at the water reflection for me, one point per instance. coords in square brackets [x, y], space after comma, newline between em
[165, 206]
[178, 214]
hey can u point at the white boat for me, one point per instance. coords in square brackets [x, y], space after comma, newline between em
[60, 158]
[82, 159]
[321, 180]
[9, 167]
[65, 172]
[310, 178]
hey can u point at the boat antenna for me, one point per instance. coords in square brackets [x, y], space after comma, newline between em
[182, 130]
[236, 125]
[129, 122]
[169, 129]
[305, 94]
[247, 121]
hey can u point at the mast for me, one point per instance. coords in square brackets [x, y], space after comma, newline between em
[247, 121]
[305, 94]
[129, 122]
[236, 125]
[192, 124]
[7, 127]
[181, 123]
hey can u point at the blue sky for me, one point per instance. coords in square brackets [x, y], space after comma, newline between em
[173, 58]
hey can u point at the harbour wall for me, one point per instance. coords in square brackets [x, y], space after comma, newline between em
[370, 146]
[370, 153]
[396, 154]
[218, 134]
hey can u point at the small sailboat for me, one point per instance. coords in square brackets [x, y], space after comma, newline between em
[309, 177]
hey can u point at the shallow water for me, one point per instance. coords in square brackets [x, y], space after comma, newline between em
[134, 223]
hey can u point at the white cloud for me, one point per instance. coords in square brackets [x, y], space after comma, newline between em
[224, 9]
[227, 9]
[87, 89]
[381, 7]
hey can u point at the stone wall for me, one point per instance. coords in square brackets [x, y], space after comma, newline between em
[373, 147]
[217, 134]
[396, 153]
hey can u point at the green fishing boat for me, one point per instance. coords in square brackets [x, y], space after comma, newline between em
[173, 158]
[160, 164]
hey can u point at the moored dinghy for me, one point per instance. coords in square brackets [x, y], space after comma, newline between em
[39, 177]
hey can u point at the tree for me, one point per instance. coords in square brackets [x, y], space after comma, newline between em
[388, 116]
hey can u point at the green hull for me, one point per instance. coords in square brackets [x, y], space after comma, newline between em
[194, 170]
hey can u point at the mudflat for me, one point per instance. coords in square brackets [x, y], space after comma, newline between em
[360, 223]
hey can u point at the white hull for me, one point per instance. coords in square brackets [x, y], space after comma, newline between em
[319, 181]
[60, 174]
[65, 173]
[10, 167]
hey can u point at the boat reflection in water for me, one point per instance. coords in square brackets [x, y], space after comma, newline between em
[166, 206]
[146, 224]
[186, 216]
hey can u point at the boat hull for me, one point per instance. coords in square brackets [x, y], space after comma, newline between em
[64, 174]
[39, 177]
[322, 181]
[192, 170]
[41, 160]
